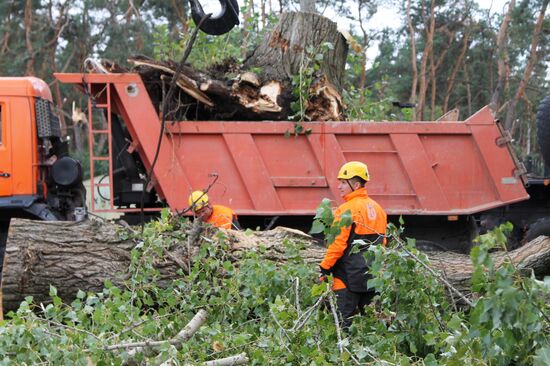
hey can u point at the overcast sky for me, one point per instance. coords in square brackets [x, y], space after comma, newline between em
[384, 17]
[387, 17]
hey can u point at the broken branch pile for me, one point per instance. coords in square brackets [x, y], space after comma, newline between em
[261, 88]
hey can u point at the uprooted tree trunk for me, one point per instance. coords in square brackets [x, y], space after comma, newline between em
[302, 59]
[73, 256]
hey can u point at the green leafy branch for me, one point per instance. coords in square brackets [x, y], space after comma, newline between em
[323, 222]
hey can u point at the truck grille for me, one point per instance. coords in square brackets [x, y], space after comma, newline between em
[47, 124]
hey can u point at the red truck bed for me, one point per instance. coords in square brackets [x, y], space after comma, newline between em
[417, 168]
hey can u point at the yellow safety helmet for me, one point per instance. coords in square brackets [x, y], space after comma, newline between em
[198, 200]
[354, 169]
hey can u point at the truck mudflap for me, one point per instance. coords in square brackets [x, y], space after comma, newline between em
[417, 168]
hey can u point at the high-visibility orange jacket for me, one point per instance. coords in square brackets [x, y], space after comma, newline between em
[223, 217]
[369, 225]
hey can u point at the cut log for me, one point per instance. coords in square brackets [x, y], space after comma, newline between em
[73, 256]
[67, 255]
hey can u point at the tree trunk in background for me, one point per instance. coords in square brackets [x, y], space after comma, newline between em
[456, 67]
[366, 41]
[428, 53]
[134, 11]
[263, 14]
[467, 86]
[502, 58]
[247, 25]
[531, 61]
[433, 83]
[73, 256]
[434, 67]
[57, 20]
[414, 71]
[28, 39]
[180, 9]
[5, 41]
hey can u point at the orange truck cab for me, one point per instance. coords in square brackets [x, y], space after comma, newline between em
[37, 177]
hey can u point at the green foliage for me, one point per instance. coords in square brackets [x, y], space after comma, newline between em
[310, 65]
[396, 278]
[508, 317]
[323, 222]
[369, 104]
[271, 311]
[207, 50]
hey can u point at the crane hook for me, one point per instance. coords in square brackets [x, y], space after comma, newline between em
[222, 23]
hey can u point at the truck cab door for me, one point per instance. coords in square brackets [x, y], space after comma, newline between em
[6, 183]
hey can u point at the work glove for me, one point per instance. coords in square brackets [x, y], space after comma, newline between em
[323, 274]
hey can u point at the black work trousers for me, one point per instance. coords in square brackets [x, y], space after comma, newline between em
[351, 303]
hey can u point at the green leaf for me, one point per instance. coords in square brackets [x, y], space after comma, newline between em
[53, 291]
[317, 227]
[56, 300]
[430, 360]
[318, 289]
[542, 357]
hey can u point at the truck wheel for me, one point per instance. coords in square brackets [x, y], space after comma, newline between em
[429, 246]
[536, 229]
[543, 129]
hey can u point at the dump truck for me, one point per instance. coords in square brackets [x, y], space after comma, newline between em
[448, 180]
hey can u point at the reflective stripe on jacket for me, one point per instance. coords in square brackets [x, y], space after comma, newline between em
[369, 225]
[222, 217]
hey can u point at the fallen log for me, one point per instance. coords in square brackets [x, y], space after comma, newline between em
[73, 256]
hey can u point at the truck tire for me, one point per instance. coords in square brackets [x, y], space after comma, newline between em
[429, 246]
[543, 129]
[536, 229]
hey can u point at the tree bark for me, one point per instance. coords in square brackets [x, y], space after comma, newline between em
[67, 255]
[73, 256]
[282, 53]
[414, 70]
[458, 64]
[5, 42]
[502, 58]
[28, 39]
[427, 54]
[366, 41]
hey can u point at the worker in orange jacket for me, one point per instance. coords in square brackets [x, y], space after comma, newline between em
[369, 221]
[217, 215]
